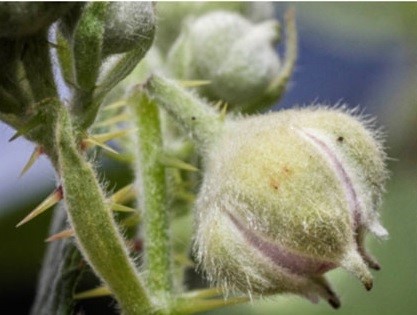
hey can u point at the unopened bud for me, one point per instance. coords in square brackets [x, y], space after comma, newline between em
[235, 55]
[171, 14]
[287, 197]
[129, 25]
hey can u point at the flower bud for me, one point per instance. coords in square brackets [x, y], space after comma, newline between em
[287, 197]
[171, 14]
[26, 18]
[129, 25]
[235, 55]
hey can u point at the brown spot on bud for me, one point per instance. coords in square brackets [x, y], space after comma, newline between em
[274, 183]
[287, 171]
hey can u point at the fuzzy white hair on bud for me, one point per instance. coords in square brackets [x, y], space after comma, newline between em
[234, 54]
[128, 25]
[287, 197]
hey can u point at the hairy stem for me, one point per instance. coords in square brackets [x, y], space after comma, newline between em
[193, 114]
[96, 232]
[150, 176]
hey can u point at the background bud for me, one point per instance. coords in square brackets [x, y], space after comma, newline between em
[235, 55]
[287, 197]
[128, 25]
[172, 13]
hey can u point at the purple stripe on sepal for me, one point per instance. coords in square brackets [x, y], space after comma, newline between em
[294, 262]
[341, 173]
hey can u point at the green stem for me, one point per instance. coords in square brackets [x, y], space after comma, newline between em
[193, 114]
[97, 235]
[87, 57]
[150, 176]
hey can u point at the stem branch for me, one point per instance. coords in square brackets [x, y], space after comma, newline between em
[193, 114]
[150, 176]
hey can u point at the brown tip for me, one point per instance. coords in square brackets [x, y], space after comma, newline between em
[368, 285]
[376, 266]
[334, 302]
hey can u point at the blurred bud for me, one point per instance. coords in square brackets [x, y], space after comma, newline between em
[171, 14]
[235, 55]
[26, 18]
[129, 25]
[287, 197]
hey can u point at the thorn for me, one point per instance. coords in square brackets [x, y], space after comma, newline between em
[89, 142]
[50, 201]
[121, 208]
[170, 161]
[204, 305]
[54, 45]
[104, 137]
[33, 158]
[113, 120]
[61, 235]
[97, 292]
[193, 83]
[115, 105]
[218, 105]
[185, 196]
[183, 260]
[131, 220]
[32, 123]
[124, 158]
[124, 194]
[223, 111]
[202, 293]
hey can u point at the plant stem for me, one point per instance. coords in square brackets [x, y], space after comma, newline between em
[150, 176]
[96, 232]
[193, 114]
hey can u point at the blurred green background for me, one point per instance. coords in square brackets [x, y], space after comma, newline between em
[358, 53]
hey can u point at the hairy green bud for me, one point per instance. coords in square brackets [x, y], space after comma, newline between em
[129, 25]
[27, 18]
[287, 197]
[172, 13]
[234, 54]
